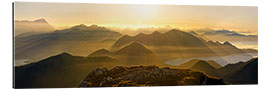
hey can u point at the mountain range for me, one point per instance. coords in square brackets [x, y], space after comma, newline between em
[24, 26]
[134, 53]
[63, 58]
[227, 35]
[77, 40]
[133, 48]
[184, 44]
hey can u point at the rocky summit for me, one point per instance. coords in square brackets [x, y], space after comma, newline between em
[146, 76]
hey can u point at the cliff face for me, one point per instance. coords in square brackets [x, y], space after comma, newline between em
[146, 76]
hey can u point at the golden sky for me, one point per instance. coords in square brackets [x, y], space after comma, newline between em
[59, 15]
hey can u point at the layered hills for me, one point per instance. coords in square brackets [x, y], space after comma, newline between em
[237, 73]
[171, 38]
[106, 48]
[227, 35]
[60, 71]
[24, 26]
[133, 48]
[77, 40]
[184, 44]
[132, 54]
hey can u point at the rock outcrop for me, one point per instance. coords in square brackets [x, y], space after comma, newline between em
[146, 76]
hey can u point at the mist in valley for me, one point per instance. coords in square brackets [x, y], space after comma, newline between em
[74, 52]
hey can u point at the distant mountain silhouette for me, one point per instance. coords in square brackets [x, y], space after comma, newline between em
[100, 52]
[225, 48]
[171, 38]
[220, 32]
[227, 35]
[60, 71]
[179, 42]
[79, 40]
[25, 26]
[132, 54]
[183, 43]
[231, 48]
[146, 76]
[250, 50]
[134, 48]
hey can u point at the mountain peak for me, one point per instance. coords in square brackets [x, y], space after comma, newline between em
[135, 44]
[217, 42]
[156, 33]
[205, 67]
[100, 52]
[211, 42]
[134, 48]
[81, 26]
[64, 54]
[94, 25]
[174, 30]
[140, 35]
[227, 43]
[126, 36]
[214, 64]
[85, 27]
[42, 20]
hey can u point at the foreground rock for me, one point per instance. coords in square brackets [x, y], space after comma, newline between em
[146, 76]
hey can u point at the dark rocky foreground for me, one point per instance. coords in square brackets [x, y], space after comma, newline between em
[146, 76]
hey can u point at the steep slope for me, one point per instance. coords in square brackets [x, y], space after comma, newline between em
[60, 71]
[214, 64]
[78, 40]
[209, 67]
[230, 68]
[189, 64]
[247, 74]
[231, 48]
[225, 48]
[205, 67]
[25, 26]
[146, 76]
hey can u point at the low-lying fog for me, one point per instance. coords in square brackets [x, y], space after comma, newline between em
[222, 60]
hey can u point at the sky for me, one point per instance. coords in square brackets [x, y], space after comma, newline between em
[62, 15]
